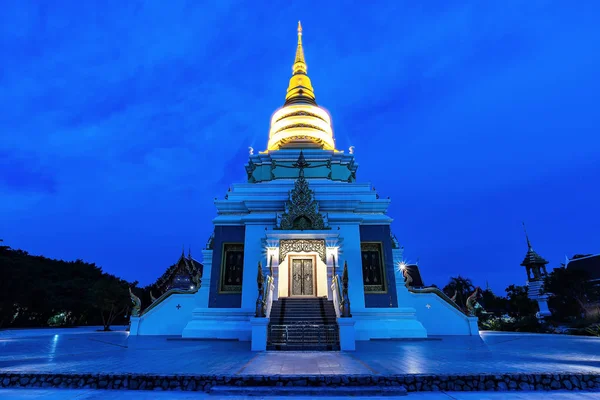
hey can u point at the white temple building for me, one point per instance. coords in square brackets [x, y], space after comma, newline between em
[302, 255]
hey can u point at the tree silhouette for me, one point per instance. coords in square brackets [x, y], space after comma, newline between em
[38, 291]
[463, 287]
[570, 292]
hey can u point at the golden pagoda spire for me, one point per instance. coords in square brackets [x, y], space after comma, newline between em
[300, 89]
[299, 62]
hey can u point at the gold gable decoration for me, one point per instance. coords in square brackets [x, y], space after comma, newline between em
[301, 210]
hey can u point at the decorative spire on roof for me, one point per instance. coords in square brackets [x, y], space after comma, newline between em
[301, 164]
[526, 236]
[301, 210]
[533, 261]
[300, 89]
[299, 62]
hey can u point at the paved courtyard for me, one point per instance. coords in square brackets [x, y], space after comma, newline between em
[87, 351]
[79, 394]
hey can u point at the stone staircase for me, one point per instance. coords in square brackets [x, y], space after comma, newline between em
[303, 324]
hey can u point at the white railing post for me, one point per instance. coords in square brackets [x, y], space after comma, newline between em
[335, 291]
[271, 287]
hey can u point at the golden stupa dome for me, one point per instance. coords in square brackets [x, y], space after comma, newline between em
[300, 123]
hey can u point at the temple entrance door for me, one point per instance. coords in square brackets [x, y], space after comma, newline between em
[302, 278]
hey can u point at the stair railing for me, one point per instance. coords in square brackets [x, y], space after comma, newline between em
[269, 295]
[336, 291]
[270, 289]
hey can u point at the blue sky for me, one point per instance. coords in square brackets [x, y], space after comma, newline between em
[121, 122]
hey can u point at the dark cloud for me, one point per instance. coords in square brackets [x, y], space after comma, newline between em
[21, 173]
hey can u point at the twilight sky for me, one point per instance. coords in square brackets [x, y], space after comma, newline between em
[121, 121]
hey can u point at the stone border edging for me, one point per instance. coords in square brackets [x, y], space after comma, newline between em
[412, 383]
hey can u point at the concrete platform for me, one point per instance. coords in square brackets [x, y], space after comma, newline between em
[495, 356]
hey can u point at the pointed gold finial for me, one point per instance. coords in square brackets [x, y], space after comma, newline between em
[299, 62]
[300, 89]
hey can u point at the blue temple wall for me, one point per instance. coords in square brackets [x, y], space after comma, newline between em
[224, 234]
[381, 233]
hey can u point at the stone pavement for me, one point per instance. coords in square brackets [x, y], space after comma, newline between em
[87, 351]
[79, 394]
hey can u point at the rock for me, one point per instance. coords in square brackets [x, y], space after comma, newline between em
[539, 386]
[301, 382]
[103, 384]
[555, 384]
[411, 388]
[490, 385]
[575, 381]
[512, 385]
[134, 384]
[191, 386]
[364, 380]
[5, 382]
[524, 386]
[567, 384]
[56, 381]
[435, 388]
[23, 381]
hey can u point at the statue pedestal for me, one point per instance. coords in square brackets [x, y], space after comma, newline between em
[473, 326]
[259, 333]
[347, 334]
[543, 306]
[134, 325]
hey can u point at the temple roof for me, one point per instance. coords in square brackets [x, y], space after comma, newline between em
[532, 258]
[589, 263]
[188, 264]
[300, 123]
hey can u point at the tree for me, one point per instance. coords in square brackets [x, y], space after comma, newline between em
[570, 292]
[463, 287]
[39, 291]
[110, 296]
[519, 303]
[496, 305]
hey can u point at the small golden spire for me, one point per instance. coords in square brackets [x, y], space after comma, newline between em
[299, 62]
[300, 89]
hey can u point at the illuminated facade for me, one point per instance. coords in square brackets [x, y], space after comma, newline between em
[302, 246]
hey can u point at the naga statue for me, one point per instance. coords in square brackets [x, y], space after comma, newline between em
[260, 300]
[137, 304]
[407, 278]
[453, 298]
[472, 305]
[345, 306]
[197, 279]
[152, 298]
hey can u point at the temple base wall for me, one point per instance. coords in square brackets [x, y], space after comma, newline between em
[440, 318]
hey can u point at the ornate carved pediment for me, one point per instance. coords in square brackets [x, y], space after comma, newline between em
[301, 210]
[302, 245]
